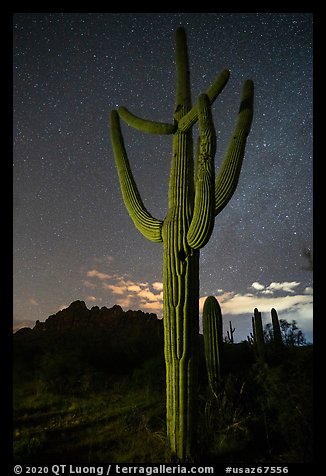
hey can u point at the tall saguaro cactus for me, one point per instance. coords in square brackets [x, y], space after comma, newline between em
[195, 197]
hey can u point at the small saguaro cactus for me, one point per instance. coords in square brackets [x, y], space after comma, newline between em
[277, 335]
[213, 341]
[195, 197]
[258, 332]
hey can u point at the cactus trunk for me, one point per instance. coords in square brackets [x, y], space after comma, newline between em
[194, 199]
[181, 330]
[180, 278]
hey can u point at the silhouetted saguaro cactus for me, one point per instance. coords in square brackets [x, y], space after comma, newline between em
[277, 336]
[213, 341]
[253, 329]
[194, 199]
[258, 333]
[250, 338]
[230, 334]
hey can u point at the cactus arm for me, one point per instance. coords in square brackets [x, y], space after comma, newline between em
[212, 92]
[227, 179]
[183, 91]
[202, 222]
[145, 125]
[150, 227]
[218, 85]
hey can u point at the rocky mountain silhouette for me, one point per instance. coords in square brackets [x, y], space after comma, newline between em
[78, 316]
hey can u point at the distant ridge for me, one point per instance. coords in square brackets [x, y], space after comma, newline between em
[77, 316]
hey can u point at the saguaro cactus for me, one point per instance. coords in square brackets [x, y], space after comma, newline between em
[277, 335]
[258, 333]
[194, 199]
[213, 341]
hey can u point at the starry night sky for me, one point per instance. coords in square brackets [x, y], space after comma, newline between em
[73, 238]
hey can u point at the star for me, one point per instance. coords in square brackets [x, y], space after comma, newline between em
[72, 69]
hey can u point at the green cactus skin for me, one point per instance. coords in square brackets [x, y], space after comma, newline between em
[194, 199]
[277, 336]
[259, 333]
[213, 341]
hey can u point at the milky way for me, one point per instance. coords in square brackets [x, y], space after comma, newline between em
[73, 238]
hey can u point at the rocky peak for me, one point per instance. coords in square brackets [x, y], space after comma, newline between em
[77, 315]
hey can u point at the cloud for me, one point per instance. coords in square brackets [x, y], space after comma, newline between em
[150, 296]
[93, 273]
[298, 307]
[134, 288]
[243, 304]
[267, 291]
[257, 286]
[308, 290]
[116, 289]
[286, 286]
[158, 286]
[61, 308]
[91, 298]
[129, 293]
[89, 284]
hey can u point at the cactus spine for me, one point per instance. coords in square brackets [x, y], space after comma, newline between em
[277, 336]
[194, 199]
[213, 341]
